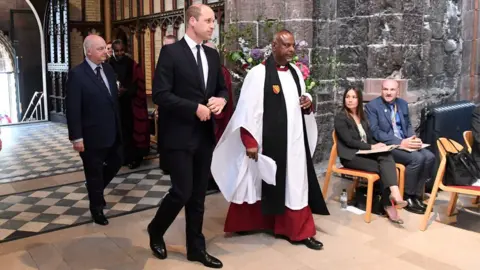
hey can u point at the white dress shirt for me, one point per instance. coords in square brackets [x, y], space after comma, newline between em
[193, 46]
[102, 73]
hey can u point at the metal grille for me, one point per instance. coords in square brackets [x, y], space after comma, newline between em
[58, 62]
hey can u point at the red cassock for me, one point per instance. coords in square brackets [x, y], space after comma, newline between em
[297, 225]
[221, 120]
[141, 125]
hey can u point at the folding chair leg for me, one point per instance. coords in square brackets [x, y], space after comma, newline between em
[431, 201]
[452, 204]
[368, 213]
[328, 175]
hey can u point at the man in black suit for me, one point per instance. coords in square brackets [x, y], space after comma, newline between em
[94, 123]
[188, 87]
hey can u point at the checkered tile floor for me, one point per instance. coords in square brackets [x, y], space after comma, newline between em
[31, 213]
[36, 150]
[39, 150]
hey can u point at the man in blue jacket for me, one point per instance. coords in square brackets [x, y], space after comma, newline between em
[389, 121]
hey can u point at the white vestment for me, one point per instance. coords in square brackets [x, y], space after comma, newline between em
[239, 177]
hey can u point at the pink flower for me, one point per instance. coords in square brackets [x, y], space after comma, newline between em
[304, 69]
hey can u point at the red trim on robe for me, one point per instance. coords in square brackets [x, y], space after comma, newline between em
[223, 118]
[141, 125]
[296, 225]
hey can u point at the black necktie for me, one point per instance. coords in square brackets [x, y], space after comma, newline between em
[99, 77]
[200, 67]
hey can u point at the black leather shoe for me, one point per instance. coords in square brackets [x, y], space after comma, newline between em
[312, 243]
[420, 203]
[206, 259]
[413, 207]
[157, 245]
[98, 217]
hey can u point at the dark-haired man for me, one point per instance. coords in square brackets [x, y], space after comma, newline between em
[188, 88]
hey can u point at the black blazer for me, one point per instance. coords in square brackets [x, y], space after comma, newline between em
[348, 136]
[177, 91]
[92, 113]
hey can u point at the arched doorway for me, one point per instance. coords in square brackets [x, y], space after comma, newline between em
[8, 90]
[23, 58]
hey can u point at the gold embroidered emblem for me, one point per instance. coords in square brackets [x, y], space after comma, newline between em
[276, 89]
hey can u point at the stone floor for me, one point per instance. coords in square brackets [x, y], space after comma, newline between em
[350, 243]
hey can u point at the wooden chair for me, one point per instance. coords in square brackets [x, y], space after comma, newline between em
[468, 138]
[357, 174]
[475, 191]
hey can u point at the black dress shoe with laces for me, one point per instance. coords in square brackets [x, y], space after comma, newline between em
[312, 243]
[420, 203]
[98, 217]
[206, 259]
[414, 207]
[157, 245]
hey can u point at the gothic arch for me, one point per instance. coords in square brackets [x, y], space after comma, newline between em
[43, 56]
[6, 43]
[8, 90]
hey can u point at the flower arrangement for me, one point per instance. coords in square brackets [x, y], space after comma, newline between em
[246, 58]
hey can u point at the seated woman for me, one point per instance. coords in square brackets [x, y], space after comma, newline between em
[353, 133]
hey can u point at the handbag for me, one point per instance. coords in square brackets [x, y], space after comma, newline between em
[461, 169]
[360, 200]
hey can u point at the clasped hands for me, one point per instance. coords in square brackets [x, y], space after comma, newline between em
[215, 105]
[409, 143]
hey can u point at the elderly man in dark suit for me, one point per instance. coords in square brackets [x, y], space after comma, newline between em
[390, 124]
[94, 123]
[188, 88]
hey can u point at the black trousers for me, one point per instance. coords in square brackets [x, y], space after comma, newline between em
[418, 169]
[100, 166]
[189, 173]
[381, 163]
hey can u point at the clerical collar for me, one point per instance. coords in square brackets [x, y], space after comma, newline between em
[279, 68]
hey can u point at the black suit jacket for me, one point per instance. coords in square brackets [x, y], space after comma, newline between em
[348, 136]
[92, 113]
[177, 91]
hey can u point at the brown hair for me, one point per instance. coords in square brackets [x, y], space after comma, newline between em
[359, 111]
[193, 11]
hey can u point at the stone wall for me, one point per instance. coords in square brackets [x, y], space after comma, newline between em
[354, 40]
